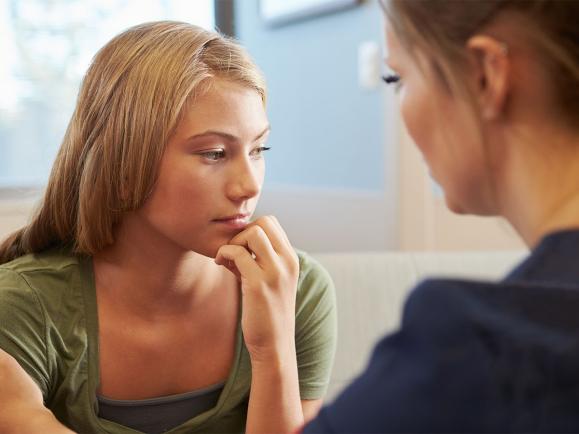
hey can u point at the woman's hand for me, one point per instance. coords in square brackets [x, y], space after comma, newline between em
[268, 268]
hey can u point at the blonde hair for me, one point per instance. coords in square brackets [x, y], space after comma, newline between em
[441, 28]
[130, 102]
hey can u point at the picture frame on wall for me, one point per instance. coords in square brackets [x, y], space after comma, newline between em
[281, 12]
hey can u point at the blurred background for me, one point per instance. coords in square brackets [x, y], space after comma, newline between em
[342, 174]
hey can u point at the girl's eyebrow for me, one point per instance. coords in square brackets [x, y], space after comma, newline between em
[263, 133]
[227, 136]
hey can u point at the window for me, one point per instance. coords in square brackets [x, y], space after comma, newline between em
[46, 47]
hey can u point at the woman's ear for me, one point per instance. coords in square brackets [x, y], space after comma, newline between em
[490, 60]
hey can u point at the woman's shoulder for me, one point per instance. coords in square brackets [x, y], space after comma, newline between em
[529, 313]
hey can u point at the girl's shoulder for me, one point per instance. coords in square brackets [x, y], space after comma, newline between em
[316, 291]
[310, 265]
[313, 276]
[46, 261]
[48, 277]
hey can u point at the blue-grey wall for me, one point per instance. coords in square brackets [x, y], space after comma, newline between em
[327, 132]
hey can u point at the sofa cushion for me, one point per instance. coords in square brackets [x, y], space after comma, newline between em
[371, 289]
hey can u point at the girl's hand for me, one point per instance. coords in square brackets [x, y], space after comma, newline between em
[268, 268]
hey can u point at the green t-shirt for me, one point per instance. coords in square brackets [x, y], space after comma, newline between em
[49, 323]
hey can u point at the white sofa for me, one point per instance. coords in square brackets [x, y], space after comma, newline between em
[371, 289]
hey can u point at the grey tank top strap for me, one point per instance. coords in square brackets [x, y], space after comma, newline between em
[158, 415]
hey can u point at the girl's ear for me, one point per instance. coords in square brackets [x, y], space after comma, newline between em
[491, 66]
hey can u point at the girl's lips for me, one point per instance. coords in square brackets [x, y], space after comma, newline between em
[234, 222]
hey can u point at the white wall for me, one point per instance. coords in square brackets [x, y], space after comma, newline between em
[331, 220]
[14, 213]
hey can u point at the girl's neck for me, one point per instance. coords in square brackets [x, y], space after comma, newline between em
[150, 274]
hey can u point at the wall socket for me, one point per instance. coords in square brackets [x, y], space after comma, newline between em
[369, 65]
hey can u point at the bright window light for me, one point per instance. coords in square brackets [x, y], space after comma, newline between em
[45, 48]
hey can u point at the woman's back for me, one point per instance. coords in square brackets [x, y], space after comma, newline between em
[477, 356]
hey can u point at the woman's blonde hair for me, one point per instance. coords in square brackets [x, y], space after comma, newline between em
[130, 102]
[441, 29]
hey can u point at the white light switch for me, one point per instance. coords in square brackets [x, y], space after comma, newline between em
[369, 65]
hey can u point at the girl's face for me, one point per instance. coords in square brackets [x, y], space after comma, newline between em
[444, 129]
[212, 170]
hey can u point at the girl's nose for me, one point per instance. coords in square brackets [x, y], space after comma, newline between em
[246, 180]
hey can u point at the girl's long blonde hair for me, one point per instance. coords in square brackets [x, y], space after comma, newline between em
[129, 104]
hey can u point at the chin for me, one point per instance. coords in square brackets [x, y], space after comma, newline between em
[456, 208]
[471, 209]
[206, 249]
[454, 205]
[210, 249]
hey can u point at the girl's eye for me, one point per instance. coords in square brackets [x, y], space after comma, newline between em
[257, 152]
[215, 155]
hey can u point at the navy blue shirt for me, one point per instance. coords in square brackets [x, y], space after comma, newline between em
[474, 357]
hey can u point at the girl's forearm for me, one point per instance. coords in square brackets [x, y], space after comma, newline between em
[22, 409]
[274, 400]
[26, 420]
